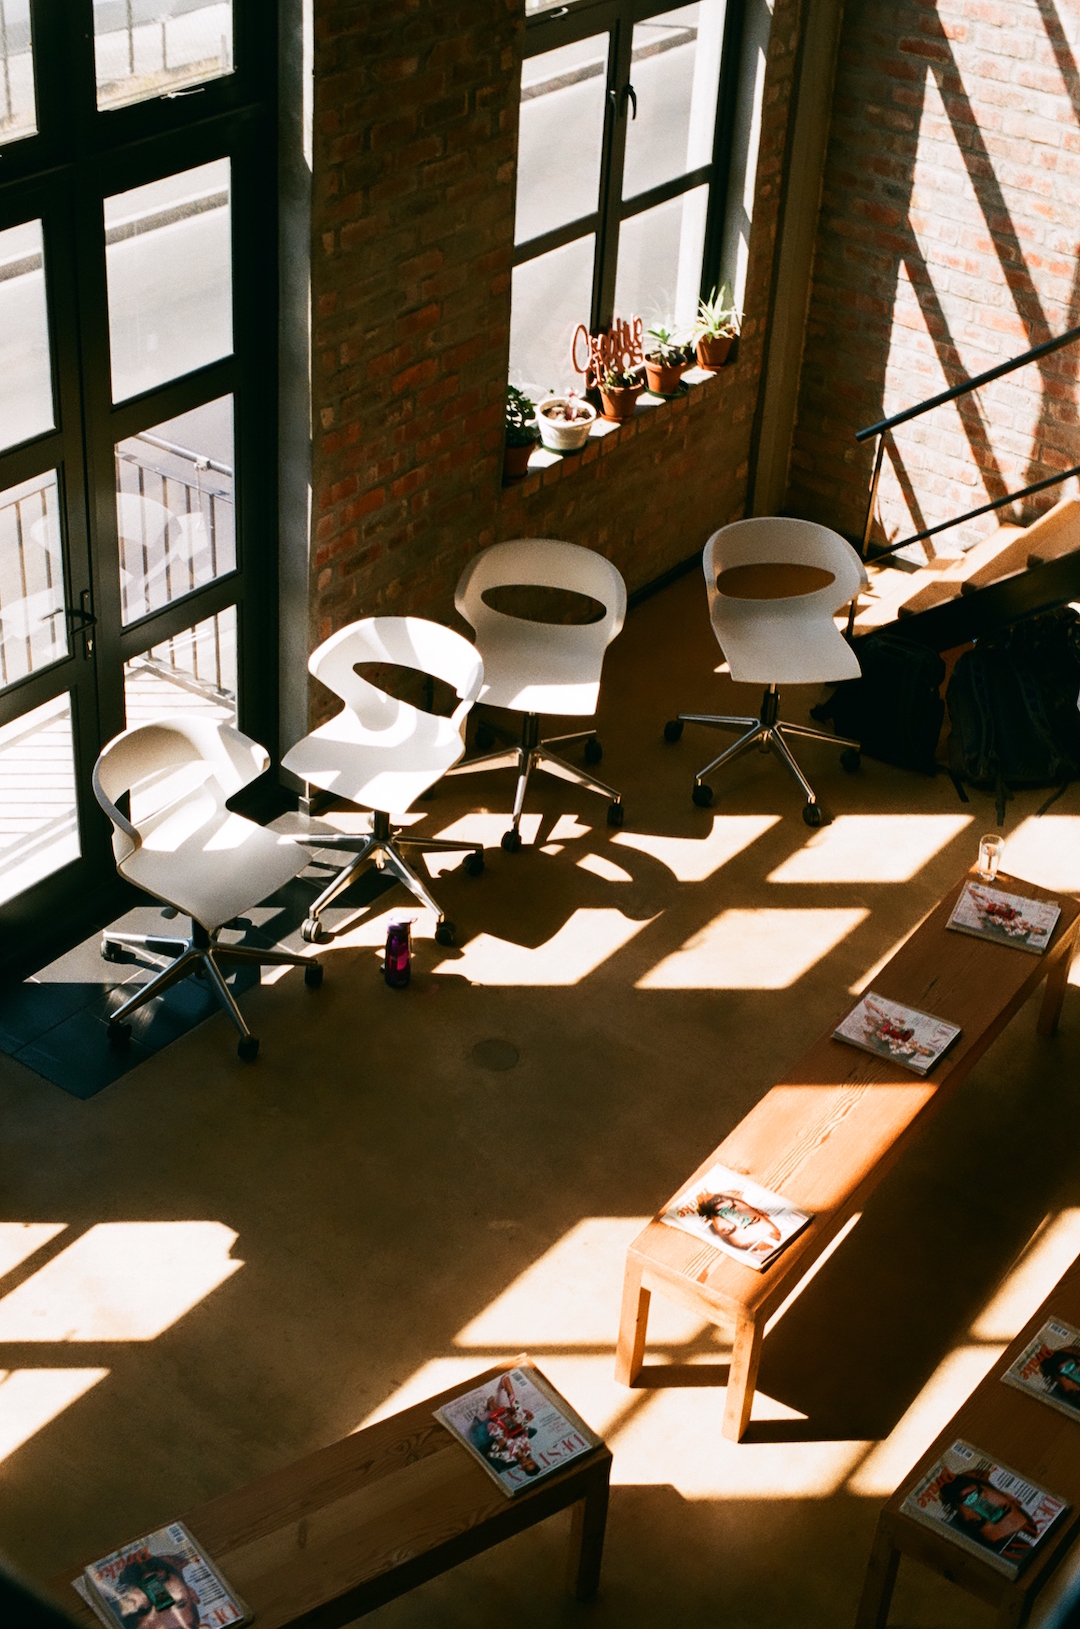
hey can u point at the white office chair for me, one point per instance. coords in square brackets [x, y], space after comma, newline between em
[774, 586]
[542, 667]
[182, 845]
[382, 753]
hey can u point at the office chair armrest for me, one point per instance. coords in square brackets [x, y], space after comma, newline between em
[126, 838]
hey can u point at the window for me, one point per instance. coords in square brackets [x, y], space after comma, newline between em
[625, 135]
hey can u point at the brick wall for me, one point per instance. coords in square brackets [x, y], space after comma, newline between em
[948, 241]
[415, 134]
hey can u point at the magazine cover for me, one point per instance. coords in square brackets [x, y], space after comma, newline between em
[1006, 919]
[162, 1581]
[518, 1427]
[890, 1030]
[985, 1507]
[1049, 1368]
[735, 1215]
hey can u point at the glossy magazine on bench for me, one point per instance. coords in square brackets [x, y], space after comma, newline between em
[518, 1427]
[744, 1220]
[890, 1030]
[1049, 1368]
[165, 1579]
[1005, 919]
[985, 1507]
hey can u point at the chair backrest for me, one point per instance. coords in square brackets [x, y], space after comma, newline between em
[148, 762]
[406, 642]
[780, 540]
[542, 562]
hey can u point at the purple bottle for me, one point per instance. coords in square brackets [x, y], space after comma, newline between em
[396, 963]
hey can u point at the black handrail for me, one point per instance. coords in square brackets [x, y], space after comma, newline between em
[968, 385]
[984, 509]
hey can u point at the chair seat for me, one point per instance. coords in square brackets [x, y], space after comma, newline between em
[540, 669]
[210, 863]
[379, 769]
[781, 649]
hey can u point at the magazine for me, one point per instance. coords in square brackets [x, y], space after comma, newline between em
[1049, 1368]
[744, 1220]
[164, 1580]
[1005, 919]
[903, 1034]
[518, 1427]
[985, 1507]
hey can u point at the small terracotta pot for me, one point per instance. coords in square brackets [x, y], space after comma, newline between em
[712, 349]
[516, 461]
[664, 377]
[620, 401]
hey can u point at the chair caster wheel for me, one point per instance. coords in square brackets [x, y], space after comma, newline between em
[851, 760]
[313, 975]
[615, 814]
[814, 815]
[484, 739]
[313, 933]
[119, 1036]
[445, 932]
[111, 952]
[511, 841]
[702, 795]
[593, 751]
[169, 911]
[474, 864]
[673, 730]
[247, 1048]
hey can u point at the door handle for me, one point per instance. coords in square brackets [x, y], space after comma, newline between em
[619, 99]
[631, 94]
[82, 620]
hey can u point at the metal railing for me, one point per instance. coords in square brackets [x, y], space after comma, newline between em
[884, 426]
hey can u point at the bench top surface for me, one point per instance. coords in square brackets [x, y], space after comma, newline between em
[349, 1513]
[826, 1134]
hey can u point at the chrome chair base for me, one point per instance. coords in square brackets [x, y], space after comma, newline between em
[532, 754]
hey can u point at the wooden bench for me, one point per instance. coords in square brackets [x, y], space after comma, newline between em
[352, 1526]
[826, 1135]
[1031, 1438]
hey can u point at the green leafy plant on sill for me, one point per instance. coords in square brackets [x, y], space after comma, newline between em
[667, 350]
[717, 317]
[521, 430]
[616, 379]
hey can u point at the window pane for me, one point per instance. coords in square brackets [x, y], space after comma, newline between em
[39, 829]
[551, 295]
[33, 630]
[26, 398]
[676, 74]
[146, 48]
[660, 250]
[169, 266]
[18, 112]
[561, 136]
[174, 508]
[195, 671]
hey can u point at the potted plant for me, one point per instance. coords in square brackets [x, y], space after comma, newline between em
[715, 329]
[619, 393]
[565, 422]
[521, 433]
[664, 363]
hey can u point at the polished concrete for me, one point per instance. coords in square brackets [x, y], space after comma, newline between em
[216, 1267]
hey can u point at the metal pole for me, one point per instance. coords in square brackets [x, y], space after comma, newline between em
[7, 66]
[131, 39]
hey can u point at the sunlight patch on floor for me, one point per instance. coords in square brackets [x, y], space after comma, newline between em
[598, 865]
[586, 940]
[1047, 1258]
[120, 1281]
[694, 859]
[31, 1398]
[871, 848]
[1045, 849]
[753, 950]
[18, 1240]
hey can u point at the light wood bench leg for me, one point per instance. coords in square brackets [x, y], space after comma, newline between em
[589, 1519]
[1054, 993]
[873, 1610]
[742, 1376]
[633, 1323]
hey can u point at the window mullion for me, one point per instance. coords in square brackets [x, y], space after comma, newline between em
[611, 173]
[723, 144]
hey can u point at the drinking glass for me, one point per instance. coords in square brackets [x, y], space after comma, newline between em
[991, 848]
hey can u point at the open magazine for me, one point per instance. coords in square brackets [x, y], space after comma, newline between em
[890, 1030]
[164, 1579]
[1005, 919]
[518, 1427]
[744, 1220]
[1049, 1368]
[985, 1507]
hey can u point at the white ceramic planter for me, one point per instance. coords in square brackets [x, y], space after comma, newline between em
[559, 435]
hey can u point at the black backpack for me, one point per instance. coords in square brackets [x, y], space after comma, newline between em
[895, 710]
[1013, 708]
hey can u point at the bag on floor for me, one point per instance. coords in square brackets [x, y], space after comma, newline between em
[894, 710]
[1013, 708]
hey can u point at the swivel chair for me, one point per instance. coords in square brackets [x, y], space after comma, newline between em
[383, 753]
[774, 585]
[542, 667]
[180, 843]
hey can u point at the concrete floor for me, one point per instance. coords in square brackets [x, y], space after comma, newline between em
[215, 1268]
